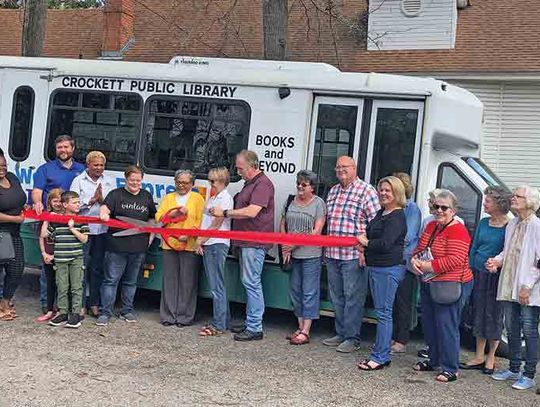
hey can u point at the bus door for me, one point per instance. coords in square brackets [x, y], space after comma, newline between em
[25, 95]
[335, 131]
[393, 144]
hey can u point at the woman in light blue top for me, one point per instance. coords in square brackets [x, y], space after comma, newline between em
[404, 297]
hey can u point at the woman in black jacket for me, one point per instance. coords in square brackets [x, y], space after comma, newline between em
[383, 248]
[12, 201]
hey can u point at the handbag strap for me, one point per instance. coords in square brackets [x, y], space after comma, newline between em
[434, 234]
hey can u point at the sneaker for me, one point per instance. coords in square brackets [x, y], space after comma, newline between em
[74, 321]
[248, 335]
[103, 320]
[503, 375]
[348, 346]
[129, 317]
[238, 328]
[60, 319]
[333, 341]
[524, 383]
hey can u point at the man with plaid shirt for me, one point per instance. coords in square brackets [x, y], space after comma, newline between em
[351, 205]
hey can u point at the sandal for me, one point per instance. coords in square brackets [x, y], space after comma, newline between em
[365, 366]
[301, 338]
[46, 317]
[423, 366]
[210, 331]
[6, 316]
[449, 376]
[291, 336]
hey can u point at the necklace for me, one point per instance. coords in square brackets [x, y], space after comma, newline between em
[303, 204]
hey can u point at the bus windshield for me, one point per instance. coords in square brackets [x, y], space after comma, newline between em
[484, 171]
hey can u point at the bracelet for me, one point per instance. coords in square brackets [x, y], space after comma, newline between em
[225, 213]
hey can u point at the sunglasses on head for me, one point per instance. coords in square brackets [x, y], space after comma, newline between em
[443, 208]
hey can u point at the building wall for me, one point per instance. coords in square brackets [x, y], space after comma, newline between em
[511, 130]
[412, 24]
[69, 33]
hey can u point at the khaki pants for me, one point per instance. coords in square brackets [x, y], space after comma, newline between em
[69, 279]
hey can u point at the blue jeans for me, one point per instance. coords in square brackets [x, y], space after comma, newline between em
[94, 254]
[440, 323]
[516, 318]
[124, 267]
[384, 282]
[214, 265]
[348, 285]
[251, 267]
[43, 288]
[305, 287]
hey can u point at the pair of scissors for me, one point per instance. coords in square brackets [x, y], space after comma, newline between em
[138, 224]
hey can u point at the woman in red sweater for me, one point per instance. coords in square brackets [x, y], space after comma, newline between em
[442, 255]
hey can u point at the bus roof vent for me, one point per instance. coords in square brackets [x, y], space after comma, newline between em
[251, 64]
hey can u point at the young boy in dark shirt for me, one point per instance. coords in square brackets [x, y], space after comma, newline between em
[68, 257]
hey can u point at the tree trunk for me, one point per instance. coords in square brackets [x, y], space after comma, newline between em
[35, 21]
[275, 29]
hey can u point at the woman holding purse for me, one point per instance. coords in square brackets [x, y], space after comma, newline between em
[442, 261]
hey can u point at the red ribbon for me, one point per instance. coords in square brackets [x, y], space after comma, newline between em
[289, 239]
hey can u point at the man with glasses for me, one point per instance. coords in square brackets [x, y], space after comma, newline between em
[351, 204]
[253, 211]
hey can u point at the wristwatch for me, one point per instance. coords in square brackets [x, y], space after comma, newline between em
[225, 213]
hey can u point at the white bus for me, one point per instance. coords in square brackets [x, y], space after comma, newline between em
[197, 113]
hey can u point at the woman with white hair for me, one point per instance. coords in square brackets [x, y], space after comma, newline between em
[441, 259]
[519, 286]
[181, 264]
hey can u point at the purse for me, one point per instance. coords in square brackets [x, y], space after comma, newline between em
[445, 292]
[7, 251]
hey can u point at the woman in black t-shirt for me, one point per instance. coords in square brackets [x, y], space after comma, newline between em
[12, 201]
[383, 248]
[125, 255]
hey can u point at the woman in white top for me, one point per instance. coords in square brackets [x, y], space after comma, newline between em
[519, 286]
[214, 250]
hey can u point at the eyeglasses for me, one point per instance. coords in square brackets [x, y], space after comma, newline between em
[302, 184]
[443, 208]
[183, 182]
[342, 167]
[519, 196]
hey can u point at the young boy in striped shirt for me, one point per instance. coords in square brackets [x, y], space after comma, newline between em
[68, 258]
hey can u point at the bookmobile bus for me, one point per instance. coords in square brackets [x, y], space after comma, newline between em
[197, 113]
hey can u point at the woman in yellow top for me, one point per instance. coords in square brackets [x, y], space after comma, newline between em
[180, 263]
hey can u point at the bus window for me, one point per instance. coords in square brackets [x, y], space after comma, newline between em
[469, 198]
[334, 137]
[21, 123]
[104, 121]
[194, 134]
[484, 171]
[393, 139]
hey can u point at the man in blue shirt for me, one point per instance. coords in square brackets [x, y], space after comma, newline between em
[57, 173]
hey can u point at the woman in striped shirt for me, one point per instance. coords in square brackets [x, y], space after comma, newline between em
[442, 255]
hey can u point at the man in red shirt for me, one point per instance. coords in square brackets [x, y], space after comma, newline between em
[253, 211]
